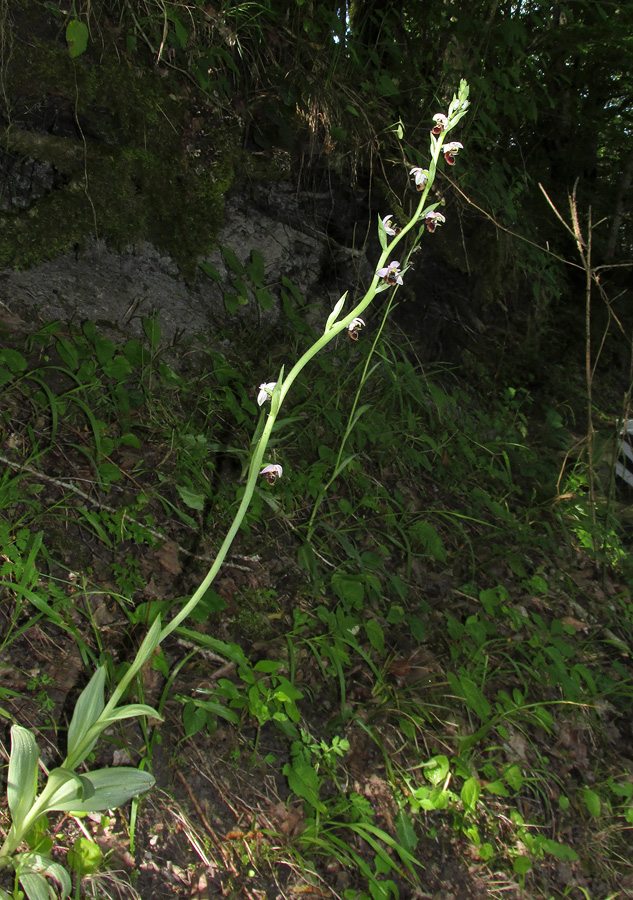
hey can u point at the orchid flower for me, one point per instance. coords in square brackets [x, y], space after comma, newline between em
[440, 124]
[451, 150]
[265, 390]
[353, 327]
[421, 177]
[391, 274]
[432, 220]
[388, 226]
[272, 473]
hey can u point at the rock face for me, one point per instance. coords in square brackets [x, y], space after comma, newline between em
[123, 193]
[279, 248]
[117, 289]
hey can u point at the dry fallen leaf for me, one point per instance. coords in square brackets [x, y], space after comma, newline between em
[167, 556]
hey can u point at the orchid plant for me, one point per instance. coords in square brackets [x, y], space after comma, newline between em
[65, 789]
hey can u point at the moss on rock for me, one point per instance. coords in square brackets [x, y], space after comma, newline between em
[120, 135]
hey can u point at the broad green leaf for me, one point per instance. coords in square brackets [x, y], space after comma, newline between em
[514, 777]
[621, 789]
[305, 783]
[264, 298]
[375, 634]
[292, 692]
[522, 865]
[497, 787]
[559, 851]
[193, 499]
[111, 789]
[296, 319]
[118, 368]
[87, 710]
[68, 353]
[109, 473]
[267, 665]
[13, 359]
[467, 689]
[232, 652]
[307, 560]
[349, 588]
[194, 718]
[211, 271]
[152, 330]
[385, 84]
[232, 261]
[51, 869]
[62, 786]
[132, 711]
[470, 792]
[38, 838]
[130, 440]
[242, 291]
[104, 348]
[256, 269]
[216, 709]
[406, 832]
[436, 769]
[182, 35]
[22, 774]
[296, 293]
[592, 802]
[86, 857]
[76, 37]
[35, 886]
[425, 535]
[439, 798]
[486, 851]
[490, 600]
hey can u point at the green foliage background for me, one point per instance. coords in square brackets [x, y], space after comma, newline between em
[150, 112]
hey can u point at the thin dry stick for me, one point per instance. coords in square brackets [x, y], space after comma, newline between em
[584, 251]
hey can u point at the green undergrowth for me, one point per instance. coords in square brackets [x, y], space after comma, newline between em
[426, 650]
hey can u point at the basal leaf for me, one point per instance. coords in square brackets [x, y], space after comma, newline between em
[111, 788]
[22, 774]
[87, 710]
